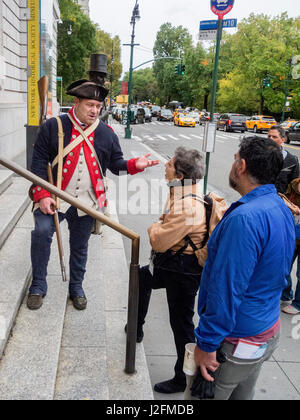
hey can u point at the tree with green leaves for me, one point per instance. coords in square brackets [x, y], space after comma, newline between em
[261, 47]
[74, 49]
[112, 48]
[171, 42]
[145, 86]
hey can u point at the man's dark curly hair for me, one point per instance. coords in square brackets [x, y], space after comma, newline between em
[263, 158]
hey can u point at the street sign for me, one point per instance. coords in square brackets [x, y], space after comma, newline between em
[209, 139]
[210, 35]
[221, 7]
[213, 24]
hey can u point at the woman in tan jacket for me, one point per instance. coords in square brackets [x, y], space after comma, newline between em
[177, 271]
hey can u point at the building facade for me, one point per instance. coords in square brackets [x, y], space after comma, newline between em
[28, 40]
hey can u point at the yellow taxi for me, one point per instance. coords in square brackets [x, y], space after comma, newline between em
[178, 111]
[184, 120]
[259, 123]
[288, 123]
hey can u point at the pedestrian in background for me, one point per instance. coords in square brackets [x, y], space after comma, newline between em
[290, 169]
[179, 273]
[293, 194]
[249, 256]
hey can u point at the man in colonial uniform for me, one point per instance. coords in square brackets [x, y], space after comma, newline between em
[90, 147]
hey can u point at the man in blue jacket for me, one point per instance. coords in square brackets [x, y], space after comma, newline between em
[249, 257]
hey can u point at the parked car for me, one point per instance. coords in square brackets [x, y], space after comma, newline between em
[64, 110]
[165, 115]
[148, 115]
[293, 133]
[184, 120]
[117, 113]
[288, 123]
[138, 116]
[259, 123]
[232, 122]
[195, 115]
[204, 116]
[154, 110]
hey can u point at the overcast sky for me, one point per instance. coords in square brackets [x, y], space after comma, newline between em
[114, 17]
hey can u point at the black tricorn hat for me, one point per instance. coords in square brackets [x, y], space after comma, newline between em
[86, 89]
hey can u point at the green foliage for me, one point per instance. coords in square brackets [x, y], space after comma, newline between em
[74, 50]
[260, 48]
[112, 48]
[171, 42]
[145, 86]
[258, 57]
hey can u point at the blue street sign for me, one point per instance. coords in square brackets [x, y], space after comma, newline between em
[221, 7]
[206, 25]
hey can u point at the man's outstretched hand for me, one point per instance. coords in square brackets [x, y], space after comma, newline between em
[143, 162]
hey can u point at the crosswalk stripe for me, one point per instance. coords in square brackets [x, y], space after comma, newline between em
[224, 136]
[172, 137]
[197, 137]
[185, 137]
[161, 137]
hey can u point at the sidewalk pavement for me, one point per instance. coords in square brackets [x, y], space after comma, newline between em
[280, 376]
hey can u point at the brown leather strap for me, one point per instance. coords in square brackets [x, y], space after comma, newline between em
[84, 134]
[60, 158]
[75, 143]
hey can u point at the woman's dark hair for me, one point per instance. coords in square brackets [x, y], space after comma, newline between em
[263, 158]
[190, 164]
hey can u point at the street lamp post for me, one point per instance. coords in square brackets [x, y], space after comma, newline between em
[286, 92]
[111, 75]
[135, 16]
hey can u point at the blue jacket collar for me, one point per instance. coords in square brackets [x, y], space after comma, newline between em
[258, 192]
[252, 195]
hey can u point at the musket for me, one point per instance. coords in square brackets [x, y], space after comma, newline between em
[58, 231]
[43, 86]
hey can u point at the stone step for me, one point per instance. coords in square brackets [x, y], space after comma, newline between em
[13, 202]
[92, 358]
[59, 353]
[29, 367]
[6, 178]
[15, 273]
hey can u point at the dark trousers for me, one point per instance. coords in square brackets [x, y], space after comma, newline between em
[41, 239]
[181, 292]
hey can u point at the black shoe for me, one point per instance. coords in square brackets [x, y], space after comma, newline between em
[169, 387]
[79, 302]
[34, 302]
[139, 336]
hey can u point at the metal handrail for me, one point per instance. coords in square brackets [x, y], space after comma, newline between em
[134, 264]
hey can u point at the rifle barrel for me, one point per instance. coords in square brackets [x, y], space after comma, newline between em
[58, 231]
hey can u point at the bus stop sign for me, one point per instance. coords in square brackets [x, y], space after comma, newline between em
[221, 7]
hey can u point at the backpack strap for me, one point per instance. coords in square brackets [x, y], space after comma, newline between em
[208, 204]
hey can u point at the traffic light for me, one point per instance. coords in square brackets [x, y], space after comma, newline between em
[182, 69]
[177, 69]
[267, 82]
